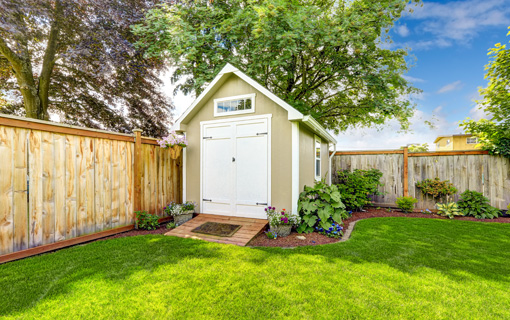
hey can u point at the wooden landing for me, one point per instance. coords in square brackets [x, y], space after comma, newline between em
[250, 228]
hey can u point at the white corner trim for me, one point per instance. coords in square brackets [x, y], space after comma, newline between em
[313, 124]
[237, 112]
[330, 163]
[184, 173]
[295, 166]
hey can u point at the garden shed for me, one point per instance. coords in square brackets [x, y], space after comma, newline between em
[248, 149]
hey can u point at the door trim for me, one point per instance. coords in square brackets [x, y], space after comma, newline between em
[232, 120]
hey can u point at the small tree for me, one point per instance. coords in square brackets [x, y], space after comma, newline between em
[494, 133]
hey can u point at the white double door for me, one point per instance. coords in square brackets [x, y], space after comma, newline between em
[235, 167]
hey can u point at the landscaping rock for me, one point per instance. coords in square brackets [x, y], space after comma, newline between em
[301, 237]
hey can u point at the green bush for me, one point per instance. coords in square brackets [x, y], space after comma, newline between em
[355, 187]
[320, 207]
[436, 188]
[475, 204]
[449, 210]
[146, 220]
[406, 204]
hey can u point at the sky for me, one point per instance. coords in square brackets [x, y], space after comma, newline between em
[449, 41]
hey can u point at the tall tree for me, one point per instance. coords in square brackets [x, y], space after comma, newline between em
[494, 133]
[76, 59]
[326, 58]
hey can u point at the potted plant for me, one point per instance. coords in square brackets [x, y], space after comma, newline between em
[281, 222]
[181, 212]
[175, 143]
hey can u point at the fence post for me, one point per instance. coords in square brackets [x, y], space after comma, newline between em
[406, 171]
[138, 170]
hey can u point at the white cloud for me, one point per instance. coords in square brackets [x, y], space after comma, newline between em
[413, 79]
[451, 87]
[389, 138]
[457, 21]
[477, 113]
[402, 30]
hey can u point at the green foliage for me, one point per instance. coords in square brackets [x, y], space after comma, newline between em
[494, 134]
[436, 188]
[323, 57]
[475, 204]
[449, 210]
[406, 204]
[171, 225]
[146, 221]
[417, 147]
[355, 187]
[320, 206]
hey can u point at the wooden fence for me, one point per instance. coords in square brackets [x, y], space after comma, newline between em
[473, 170]
[61, 185]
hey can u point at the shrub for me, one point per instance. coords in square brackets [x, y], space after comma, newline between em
[146, 220]
[320, 206]
[475, 204]
[271, 234]
[171, 225]
[282, 218]
[406, 204]
[436, 188]
[449, 210]
[355, 187]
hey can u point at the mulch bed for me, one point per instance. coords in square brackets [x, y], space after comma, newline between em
[315, 239]
[160, 230]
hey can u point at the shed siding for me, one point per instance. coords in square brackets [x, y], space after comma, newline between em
[281, 144]
[307, 158]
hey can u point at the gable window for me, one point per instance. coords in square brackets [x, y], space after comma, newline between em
[317, 151]
[448, 142]
[438, 145]
[472, 140]
[234, 105]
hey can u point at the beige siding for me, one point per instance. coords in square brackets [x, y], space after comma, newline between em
[307, 158]
[281, 144]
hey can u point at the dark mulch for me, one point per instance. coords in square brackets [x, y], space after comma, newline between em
[315, 239]
[160, 230]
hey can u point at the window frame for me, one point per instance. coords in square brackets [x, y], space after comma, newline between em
[239, 97]
[467, 140]
[316, 140]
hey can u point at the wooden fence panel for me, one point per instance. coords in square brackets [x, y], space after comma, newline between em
[475, 171]
[6, 190]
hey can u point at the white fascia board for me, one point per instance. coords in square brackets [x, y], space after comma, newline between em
[293, 114]
[228, 68]
[314, 125]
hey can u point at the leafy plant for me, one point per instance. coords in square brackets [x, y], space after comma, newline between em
[171, 225]
[320, 206]
[436, 188]
[406, 204]
[475, 204]
[283, 217]
[356, 186]
[449, 210]
[271, 234]
[146, 221]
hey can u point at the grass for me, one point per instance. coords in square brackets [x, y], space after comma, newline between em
[391, 268]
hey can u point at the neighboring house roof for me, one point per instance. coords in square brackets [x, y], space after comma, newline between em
[452, 135]
[293, 114]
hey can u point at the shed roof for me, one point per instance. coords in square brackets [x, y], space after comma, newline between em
[228, 69]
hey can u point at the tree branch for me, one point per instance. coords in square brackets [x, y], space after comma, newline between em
[10, 55]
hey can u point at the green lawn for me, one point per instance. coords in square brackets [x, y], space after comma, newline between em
[390, 268]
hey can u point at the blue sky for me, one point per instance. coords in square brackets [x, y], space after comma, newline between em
[449, 41]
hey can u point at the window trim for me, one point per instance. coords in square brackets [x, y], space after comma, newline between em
[315, 158]
[230, 113]
[467, 140]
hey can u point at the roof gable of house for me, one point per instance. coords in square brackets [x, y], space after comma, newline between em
[219, 80]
